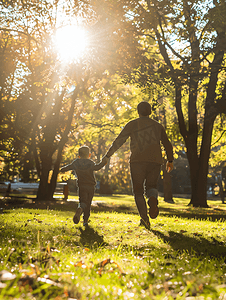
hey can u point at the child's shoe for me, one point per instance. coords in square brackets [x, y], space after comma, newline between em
[77, 215]
[153, 207]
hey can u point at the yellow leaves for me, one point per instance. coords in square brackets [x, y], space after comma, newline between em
[42, 84]
[49, 90]
[38, 84]
[175, 155]
[4, 98]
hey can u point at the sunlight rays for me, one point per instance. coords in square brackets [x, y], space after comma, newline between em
[71, 42]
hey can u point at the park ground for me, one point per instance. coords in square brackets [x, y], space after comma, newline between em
[44, 255]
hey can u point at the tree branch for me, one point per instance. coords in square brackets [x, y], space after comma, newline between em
[20, 32]
[218, 138]
[180, 115]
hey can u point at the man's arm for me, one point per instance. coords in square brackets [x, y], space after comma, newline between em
[119, 141]
[169, 150]
[167, 145]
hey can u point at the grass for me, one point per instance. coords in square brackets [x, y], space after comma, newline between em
[43, 255]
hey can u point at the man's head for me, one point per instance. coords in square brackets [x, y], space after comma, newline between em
[144, 109]
[83, 152]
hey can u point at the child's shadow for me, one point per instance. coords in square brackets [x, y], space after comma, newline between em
[91, 238]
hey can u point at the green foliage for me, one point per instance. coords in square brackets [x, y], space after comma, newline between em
[174, 50]
[191, 41]
[53, 91]
[101, 115]
[217, 158]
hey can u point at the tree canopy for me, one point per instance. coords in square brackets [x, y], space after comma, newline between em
[190, 36]
[172, 49]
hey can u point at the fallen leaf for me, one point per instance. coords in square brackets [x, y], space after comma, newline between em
[49, 281]
[5, 275]
[2, 285]
[81, 264]
[104, 262]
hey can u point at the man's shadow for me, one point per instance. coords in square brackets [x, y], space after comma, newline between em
[91, 238]
[179, 242]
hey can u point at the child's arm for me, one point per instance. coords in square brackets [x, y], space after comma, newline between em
[101, 164]
[66, 168]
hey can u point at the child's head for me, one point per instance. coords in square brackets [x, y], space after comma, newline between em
[83, 152]
[144, 109]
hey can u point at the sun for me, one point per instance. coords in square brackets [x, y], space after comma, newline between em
[71, 42]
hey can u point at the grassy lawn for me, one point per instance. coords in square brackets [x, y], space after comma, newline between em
[43, 255]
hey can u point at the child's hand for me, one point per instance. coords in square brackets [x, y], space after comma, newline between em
[169, 166]
[105, 160]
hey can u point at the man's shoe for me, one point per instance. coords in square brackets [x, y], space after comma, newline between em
[77, 215]
[85, 223]
[146, 224]
[153, 207]
[169, 201]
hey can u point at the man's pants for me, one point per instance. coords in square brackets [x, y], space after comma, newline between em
[86, 194]
[144, 177]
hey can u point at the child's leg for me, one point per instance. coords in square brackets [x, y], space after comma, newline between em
[90, 194]
[82, 192]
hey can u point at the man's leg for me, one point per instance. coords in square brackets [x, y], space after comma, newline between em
[137, 171]
[152, 177]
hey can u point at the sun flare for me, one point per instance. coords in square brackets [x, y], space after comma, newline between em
[71, 42]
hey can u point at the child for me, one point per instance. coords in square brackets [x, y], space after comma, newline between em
[84, 168]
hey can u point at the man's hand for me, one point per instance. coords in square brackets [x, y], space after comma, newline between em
[169, 166]
[105, 160]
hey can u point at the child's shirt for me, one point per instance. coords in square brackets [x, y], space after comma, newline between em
[84, 169]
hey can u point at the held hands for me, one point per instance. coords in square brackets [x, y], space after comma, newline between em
[169, 166]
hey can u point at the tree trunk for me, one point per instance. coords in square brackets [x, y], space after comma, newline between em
[199, 173]
[53, 181]
[199, 190]
[198, 162]
[44, 186]
[221, 192]
[47, 185]
[167, 184]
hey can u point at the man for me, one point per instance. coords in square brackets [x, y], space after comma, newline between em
[146, 136]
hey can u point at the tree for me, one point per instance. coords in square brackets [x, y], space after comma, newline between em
[12, 134]
[49, 89]
[38, 110]
[191, 38]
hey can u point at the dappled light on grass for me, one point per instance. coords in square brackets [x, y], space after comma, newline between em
[46, 256]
